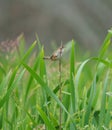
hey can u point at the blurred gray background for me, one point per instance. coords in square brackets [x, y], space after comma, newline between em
[86, 21]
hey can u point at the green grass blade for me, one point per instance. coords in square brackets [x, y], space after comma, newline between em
[109, 109]
[30, 80]
[2, 70]
[72, 72]
[103, 102]
[77, 80]
[44, 85]
[91, 98]
[78, 74]
[28, 52]
[72, 59]
[4, 83]
[42, 64]
[45, 119]
[38, 41]
[106, 44]
[43, 76]
[21, 49]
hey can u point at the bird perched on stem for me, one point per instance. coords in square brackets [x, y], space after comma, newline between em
[56, 55]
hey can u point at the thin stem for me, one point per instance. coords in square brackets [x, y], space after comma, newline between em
[60, 95]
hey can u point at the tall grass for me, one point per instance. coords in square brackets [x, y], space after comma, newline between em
[29, 90]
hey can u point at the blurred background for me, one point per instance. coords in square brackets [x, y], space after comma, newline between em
[86, 21]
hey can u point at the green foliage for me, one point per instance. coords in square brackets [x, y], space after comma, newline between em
[29, 90]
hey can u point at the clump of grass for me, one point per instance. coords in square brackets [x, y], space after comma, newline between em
[29, 90]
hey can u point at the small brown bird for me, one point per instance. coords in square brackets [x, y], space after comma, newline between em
[57, 54]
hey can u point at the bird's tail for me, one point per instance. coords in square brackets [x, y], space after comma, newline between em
[46, 58]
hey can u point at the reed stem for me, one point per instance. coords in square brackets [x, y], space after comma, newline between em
[60, 95]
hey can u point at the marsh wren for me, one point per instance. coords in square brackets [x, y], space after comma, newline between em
[57, 54]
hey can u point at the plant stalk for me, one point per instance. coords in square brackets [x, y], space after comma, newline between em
[60, 95]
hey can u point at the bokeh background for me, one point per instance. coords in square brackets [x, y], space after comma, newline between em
[86, 21]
